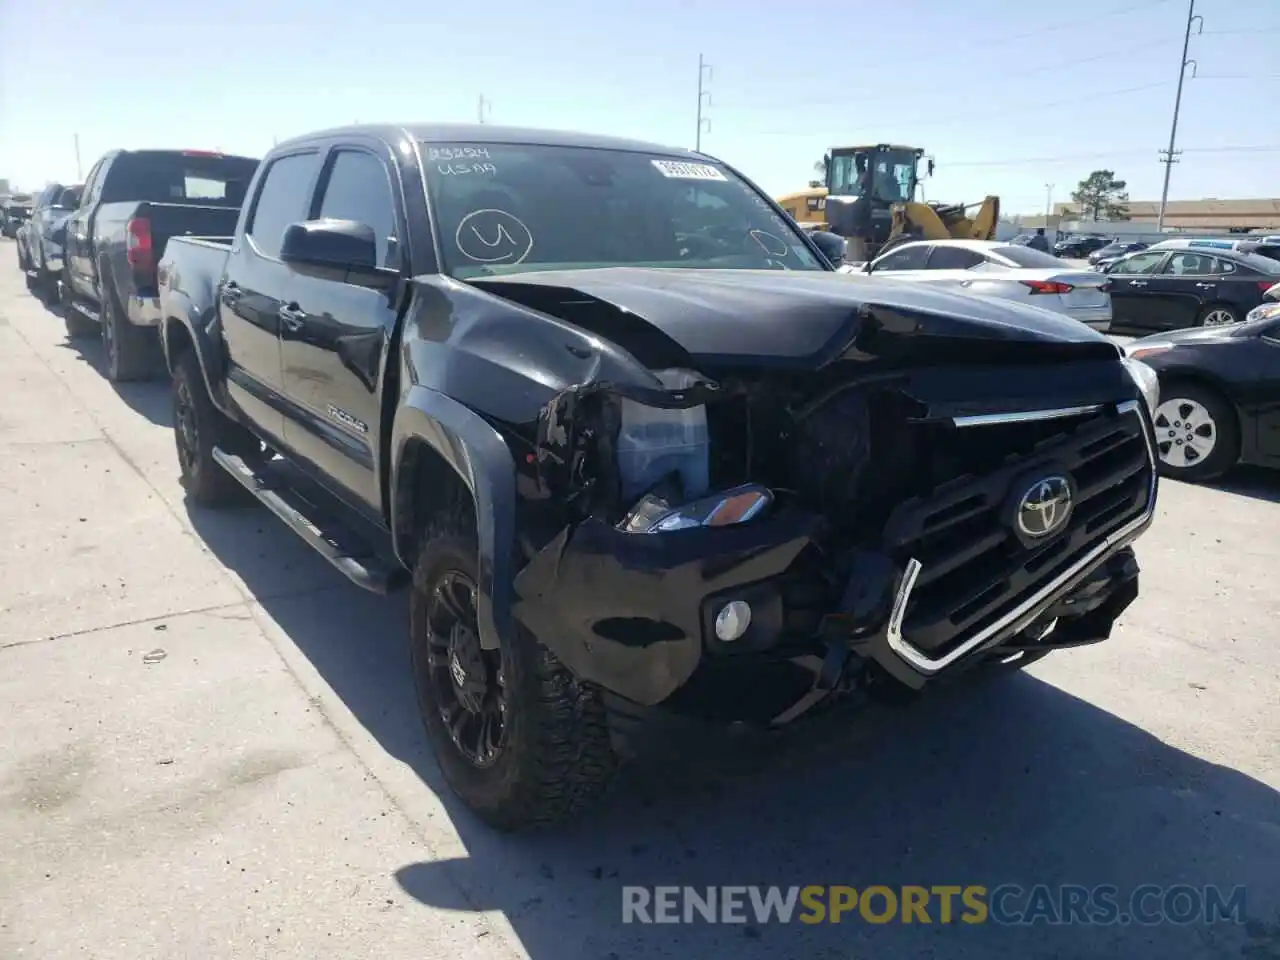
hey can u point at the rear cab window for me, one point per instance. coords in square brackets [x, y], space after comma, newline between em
[505, 208]
[165, 176]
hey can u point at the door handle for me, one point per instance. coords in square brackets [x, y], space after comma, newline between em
[292, 316]
[1206, 286]
[1137, 283]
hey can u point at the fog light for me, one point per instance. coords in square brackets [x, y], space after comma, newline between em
[732, 620]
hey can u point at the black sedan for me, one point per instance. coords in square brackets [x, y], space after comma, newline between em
[1115, 250]
[1219, 397]
[1168, 289]
[1077, 248]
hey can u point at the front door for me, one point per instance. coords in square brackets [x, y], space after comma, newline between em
[332, 349]
[257, 285]
[1132, 306]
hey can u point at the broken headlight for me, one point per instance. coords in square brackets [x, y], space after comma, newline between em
[653, 514]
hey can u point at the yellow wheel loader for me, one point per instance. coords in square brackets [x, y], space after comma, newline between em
[871, 202]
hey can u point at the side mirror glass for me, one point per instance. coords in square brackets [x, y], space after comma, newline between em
[331, 244]
[831, 245]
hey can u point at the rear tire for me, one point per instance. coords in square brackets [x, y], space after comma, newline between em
[1197, 433]
[199, 427]
[130, 353]
[1218, 315]
[551, 756]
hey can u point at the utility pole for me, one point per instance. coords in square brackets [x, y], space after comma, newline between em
[483, 106]
[1048, 202]
[1171, 155]
[704, 96]
[79, 171]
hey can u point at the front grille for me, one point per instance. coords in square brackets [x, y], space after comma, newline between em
[973, 567]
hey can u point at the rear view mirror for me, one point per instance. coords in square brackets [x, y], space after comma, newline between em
[831, 245]
[333, 244]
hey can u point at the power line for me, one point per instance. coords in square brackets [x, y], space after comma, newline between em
[1062, 25]
[925, 122]
[1107, 155]
[791, 103]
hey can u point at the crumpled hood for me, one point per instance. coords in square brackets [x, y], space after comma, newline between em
[795, 317]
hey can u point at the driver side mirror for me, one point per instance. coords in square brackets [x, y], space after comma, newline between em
[340, 245]
[831, 245]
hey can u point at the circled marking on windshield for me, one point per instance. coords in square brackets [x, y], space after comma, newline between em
[493, 236]
[773, 245]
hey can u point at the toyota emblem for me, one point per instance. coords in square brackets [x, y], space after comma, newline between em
[1045, 508]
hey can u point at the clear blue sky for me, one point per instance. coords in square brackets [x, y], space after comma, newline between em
[1009, 95]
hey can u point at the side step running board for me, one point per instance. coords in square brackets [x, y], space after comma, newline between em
[347, 551]
[79, 307]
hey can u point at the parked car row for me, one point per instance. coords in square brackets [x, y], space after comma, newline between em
[42, 239]
[642, 457]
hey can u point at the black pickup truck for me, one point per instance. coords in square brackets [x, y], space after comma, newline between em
[642, 456]
[132, 202]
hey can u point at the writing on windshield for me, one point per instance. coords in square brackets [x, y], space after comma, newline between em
[509, 207]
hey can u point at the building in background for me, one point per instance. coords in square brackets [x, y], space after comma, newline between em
[1199, 216]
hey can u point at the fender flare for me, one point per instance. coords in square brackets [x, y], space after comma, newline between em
[204, 340]
[478, 454]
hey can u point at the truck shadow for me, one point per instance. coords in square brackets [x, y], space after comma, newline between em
[1259, 483]
[148, 398]
[1008, 780]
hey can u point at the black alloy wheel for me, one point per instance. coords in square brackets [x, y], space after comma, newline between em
[467, 681]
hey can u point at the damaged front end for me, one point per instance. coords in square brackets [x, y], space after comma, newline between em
[740, 549]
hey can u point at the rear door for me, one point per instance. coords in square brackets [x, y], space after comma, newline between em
[1238, 285]
[1187, 282]
[257, 285]
[79, 267]
[1131, 305]
[333, 347]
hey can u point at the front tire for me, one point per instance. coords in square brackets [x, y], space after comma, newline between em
[519, 740]
[1197, 433]
[199, 427]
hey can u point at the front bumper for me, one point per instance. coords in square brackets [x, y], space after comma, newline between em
[635, 613]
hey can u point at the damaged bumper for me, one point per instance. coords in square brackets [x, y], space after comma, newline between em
[649, 609]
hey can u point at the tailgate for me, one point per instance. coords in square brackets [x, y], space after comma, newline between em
[184, 219]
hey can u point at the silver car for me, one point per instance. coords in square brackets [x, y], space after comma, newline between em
[1003, 270]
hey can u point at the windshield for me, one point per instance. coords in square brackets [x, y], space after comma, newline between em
[890, 174]
[1028, 257]
[504, 208]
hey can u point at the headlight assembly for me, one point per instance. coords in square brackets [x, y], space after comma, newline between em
[738, 505]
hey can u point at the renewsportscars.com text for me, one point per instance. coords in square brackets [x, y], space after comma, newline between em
[1008, 904]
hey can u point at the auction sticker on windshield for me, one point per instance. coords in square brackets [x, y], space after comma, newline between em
[688, 171]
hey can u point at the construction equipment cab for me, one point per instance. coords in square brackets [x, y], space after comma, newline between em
[871, 202]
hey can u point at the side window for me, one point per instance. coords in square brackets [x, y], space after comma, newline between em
[1139, 263]
[1190, 265]
[908, 258]
[953, 258]
[283, 198]
[358, 189]
[91, 185]
[1223, 268]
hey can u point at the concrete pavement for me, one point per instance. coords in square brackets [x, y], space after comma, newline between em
[211, 750]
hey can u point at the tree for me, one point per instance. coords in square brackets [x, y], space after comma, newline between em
[821, 167]
[1102, 197]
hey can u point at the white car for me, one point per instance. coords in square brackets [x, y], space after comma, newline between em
[993, 269]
